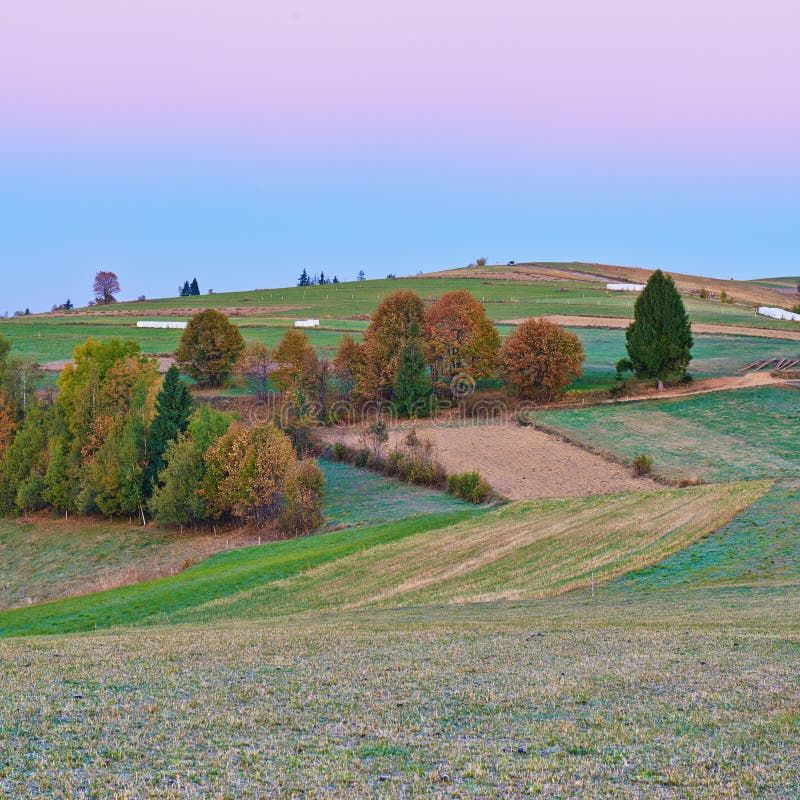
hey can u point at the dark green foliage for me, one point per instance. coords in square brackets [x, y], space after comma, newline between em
[185, 291]
[174, 406]
[469, 486]
[176, 500]
[209, 348]
[194, 289]
[412, 389]
[304, 280]
[659, 340]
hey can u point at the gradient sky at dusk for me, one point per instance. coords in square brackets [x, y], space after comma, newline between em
[242, 141]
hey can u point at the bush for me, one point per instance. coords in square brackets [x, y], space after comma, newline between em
[361, 459]
[469, 486]
[339, 452]
[642, 465]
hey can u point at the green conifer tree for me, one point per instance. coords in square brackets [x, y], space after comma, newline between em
[174, 407]
[659, 340]
[194, 289]
[412, 385]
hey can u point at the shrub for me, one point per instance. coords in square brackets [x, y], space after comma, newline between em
[339, 452]
[361, 459]
[469, 486]
[642, 465]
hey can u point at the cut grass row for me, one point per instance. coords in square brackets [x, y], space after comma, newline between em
[523, 550]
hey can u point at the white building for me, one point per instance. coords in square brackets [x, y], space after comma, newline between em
[306, 323]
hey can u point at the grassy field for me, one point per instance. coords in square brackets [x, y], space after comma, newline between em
[265, 314]
[691, 695]
[761, 545]
[746, 433]
[522, 550]
[47, 558]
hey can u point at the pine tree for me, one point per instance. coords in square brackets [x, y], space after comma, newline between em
[185, 291]
[361, 275]
[174, 406]
[412, 386]
[335, 279]
[322, 279]
[303, 281]
[194, 289]
[659, 340]
[68, 305]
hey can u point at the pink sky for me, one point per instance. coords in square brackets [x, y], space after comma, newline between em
[618, 76]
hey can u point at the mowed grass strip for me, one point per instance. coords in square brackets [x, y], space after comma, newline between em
[523, 550]
[221, 575]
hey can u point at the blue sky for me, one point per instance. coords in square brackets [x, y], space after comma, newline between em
[241, 144]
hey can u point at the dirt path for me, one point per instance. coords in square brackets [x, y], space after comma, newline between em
[620, 323]
[519, 462]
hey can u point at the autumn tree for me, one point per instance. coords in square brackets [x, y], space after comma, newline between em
[539, 359]
[106, 285]
[384, 340]
[210, 348]
[248, 471]
[8, 420]
[257, 366]
[302, 507]
[460, 339]
[659, 340]
[297, 365]
[347, 363]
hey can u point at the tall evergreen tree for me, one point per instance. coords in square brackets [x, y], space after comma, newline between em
[335, 279]
[322, 279]
[412, 386]
[304, 279]
[194, 289]
[185, 291]
[174, 406]
[659, 340]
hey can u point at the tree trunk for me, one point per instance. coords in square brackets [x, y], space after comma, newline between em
[660, 385]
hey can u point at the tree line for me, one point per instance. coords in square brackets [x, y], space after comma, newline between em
[119, 440]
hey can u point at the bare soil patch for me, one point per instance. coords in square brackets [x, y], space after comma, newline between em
[519, 462]
[178, 311]
[620, 323]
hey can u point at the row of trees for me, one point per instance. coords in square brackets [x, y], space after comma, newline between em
[189, 289]
[409, 355]
[120, 441]
[315, 280]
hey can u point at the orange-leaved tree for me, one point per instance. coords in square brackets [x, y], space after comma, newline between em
[297, 365]
[385, 339]
[539, 359]
[459, 339]
[210, 348]
[347, 362]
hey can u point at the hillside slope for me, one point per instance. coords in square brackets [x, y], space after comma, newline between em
[523, 550]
